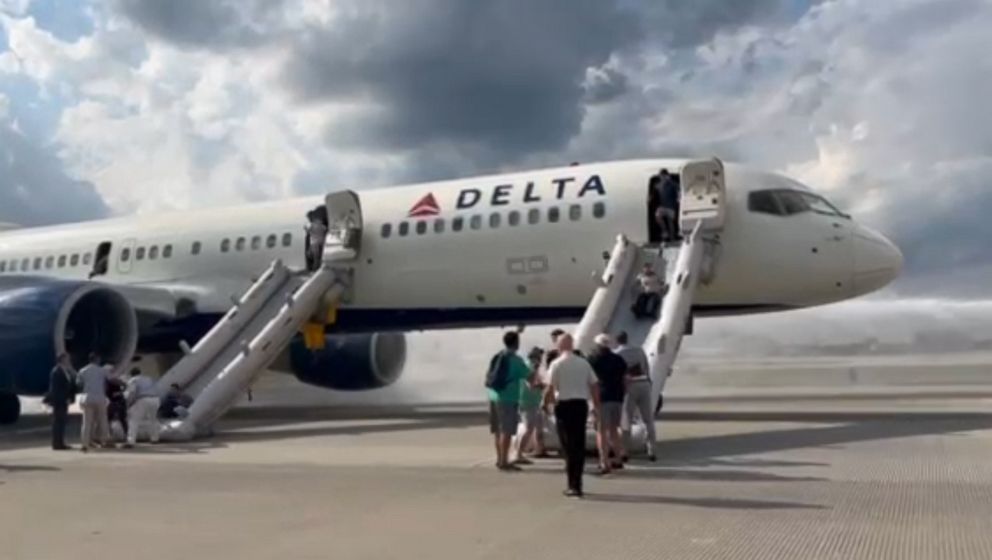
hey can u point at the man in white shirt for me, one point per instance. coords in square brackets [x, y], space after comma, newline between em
[144, 407]
[573, 384]
[638, 398]
[93, 404]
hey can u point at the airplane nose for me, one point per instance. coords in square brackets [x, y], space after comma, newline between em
[877, 261]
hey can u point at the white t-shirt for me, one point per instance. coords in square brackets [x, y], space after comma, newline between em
[571, 377]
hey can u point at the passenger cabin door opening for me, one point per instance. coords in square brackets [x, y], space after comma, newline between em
[344, 226]
[101, 260]
[664, 207]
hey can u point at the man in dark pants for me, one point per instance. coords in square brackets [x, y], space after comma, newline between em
[61, 392]
[573, 384]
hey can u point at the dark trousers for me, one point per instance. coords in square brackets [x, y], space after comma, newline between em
[571, 418]
[647, 305]
[117, 411]
[59, 415]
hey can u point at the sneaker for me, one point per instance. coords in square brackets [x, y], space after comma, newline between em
[571, 493]
[128, 446]
[510, 468]
[523, 461]
[616, 466]
[652, 458]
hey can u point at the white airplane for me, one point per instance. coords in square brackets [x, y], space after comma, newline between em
[513, 249]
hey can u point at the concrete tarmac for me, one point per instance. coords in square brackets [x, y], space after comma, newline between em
[832, 477]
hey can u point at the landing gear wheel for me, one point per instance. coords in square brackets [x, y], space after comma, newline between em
[10, 408]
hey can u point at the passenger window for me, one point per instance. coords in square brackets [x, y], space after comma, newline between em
[494, 220]
[404, 229]
[37, 263]
[49, 262]
[475, 222]
[599, 210]
[125, 254]
[13, 266]
[575, 212]
[239, 245]
[167, 252]
[196, 248]
[3, 266]
[87, 258]
[153, 252]
[271, 241]
[554, 214]
[256, 243]
[513, 218]
[534, 216]
[457, 223]
[287, 239]
[439, 225]
[74, 260]
[225, 245]
[26, 265]
[140, 254]
[421, 227]
[386, 231]
[62, 260]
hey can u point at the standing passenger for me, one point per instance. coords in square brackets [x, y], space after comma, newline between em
[531, 394]
[61, 391]
[94, 404]
[116, 403]
[506, 372]
[610, 370]
[638, 398]
[573, 385]
[317, 236]
[144, 407]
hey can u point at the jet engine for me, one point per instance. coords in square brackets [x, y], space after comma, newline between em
[42, 317]
[356, 362]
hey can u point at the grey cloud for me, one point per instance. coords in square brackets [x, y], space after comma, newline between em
[605, 84]
[206, 23]
[34, 189]
[502, 79]
[681, 24]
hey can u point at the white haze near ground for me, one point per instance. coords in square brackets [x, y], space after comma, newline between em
[448, 366]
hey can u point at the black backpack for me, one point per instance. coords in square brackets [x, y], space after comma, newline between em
[497, 377]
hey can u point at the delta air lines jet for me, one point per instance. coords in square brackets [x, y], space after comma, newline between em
[219, 295]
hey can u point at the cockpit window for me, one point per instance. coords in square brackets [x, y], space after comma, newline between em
[820, 205]
[787, 202]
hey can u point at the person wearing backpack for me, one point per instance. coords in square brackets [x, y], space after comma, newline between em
[507, 370]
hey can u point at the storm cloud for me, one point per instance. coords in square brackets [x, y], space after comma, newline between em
[34, 189]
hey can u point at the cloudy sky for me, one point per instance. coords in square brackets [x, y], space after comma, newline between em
[128, 106]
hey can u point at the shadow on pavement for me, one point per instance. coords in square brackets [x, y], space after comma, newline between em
[713, 503]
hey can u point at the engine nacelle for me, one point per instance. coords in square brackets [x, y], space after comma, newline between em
[42, 317]
[356, 362]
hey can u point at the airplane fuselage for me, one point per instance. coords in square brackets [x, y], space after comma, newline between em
[507, 249]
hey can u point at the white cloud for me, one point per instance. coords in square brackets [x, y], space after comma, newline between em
[4, 107]
[14, 7]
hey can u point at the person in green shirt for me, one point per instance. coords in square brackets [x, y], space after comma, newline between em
[531, 397]
[504, 407]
